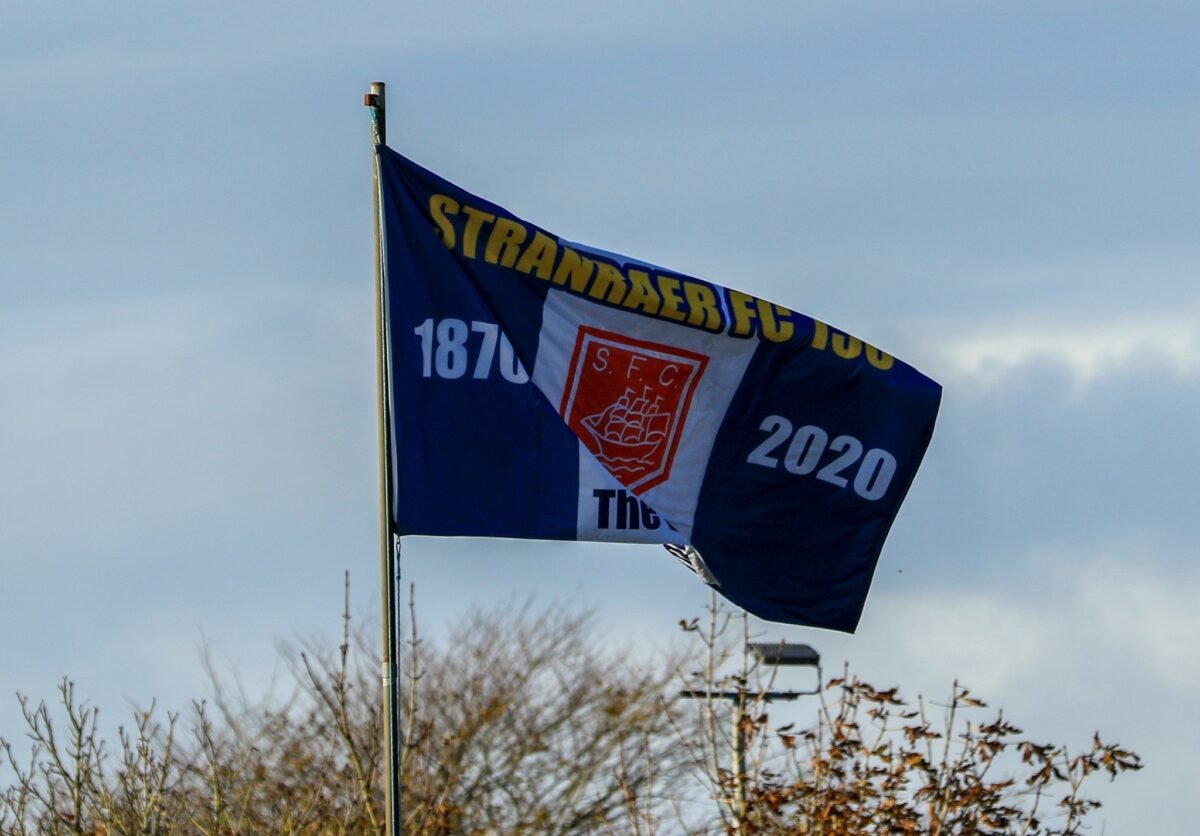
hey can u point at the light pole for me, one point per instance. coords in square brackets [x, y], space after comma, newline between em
[775, 654]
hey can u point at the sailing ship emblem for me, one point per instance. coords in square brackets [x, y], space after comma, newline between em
[628, 400]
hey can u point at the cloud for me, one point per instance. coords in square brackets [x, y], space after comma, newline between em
[1086, 353]
[1068, 616]
[144, 419]
[1146, 621]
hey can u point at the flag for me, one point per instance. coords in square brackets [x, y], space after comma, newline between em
[541, 388]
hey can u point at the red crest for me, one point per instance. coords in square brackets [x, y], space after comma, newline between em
[627, 400]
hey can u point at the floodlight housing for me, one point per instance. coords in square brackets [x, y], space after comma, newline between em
[782, 653]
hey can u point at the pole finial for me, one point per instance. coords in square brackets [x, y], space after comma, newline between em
[376, 100]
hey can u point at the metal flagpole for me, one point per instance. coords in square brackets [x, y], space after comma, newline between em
[389, 543]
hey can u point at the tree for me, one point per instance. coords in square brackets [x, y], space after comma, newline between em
[871, 763]
[518, 725]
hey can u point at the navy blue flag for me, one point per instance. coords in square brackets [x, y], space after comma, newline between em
[545, 389]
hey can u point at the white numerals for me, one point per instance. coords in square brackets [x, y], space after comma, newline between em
[869, 474]
[446, 351]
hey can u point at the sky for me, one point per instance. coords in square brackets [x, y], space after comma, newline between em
[1003, 195]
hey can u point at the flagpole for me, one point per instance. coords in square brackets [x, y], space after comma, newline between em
[389, 543]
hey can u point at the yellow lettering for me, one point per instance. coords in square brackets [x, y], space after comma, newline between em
[741, 305]
[538, 257]
[574, 268]
[776, 321]
[702, 306]
[642, 295]
[848, 347]
[504, 244]
[845, 346]
[439, 205]
[609, 284]
[820, 335]
[668, 286]
[879, 359]
[475, 223]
